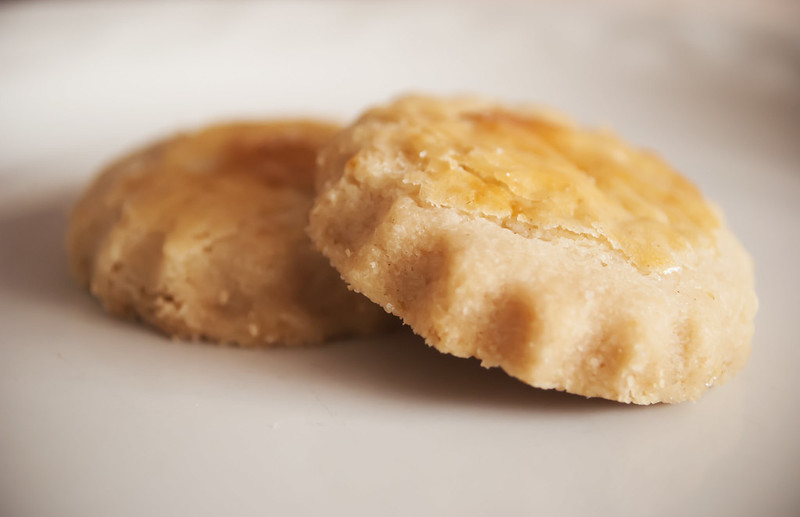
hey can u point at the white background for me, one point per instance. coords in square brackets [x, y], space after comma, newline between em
[103, 418]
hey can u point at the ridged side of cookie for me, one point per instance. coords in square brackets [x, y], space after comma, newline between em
[554, 309]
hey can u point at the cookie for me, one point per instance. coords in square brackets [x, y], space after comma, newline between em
[565, 256]
[203, 236]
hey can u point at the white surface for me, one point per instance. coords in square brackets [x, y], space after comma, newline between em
[103, 418]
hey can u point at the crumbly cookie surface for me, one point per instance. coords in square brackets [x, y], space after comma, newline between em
[563, 255]
[203, 236]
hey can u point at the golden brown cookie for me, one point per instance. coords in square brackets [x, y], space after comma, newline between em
[563, 255]
[203, 236]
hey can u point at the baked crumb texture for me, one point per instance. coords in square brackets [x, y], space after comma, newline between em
[203, 236]
[562, 255]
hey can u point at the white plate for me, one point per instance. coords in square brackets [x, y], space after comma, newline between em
[100, 417]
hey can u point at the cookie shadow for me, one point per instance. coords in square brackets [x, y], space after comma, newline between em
[33, 268]
[401, 367]
[33, 261]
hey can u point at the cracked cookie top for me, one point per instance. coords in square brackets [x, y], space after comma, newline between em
[539, 174]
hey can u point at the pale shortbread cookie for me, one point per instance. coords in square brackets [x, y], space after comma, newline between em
[203, 236]
[563, 255]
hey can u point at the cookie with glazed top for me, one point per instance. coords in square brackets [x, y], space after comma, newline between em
[563, 255]
[203, 236]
